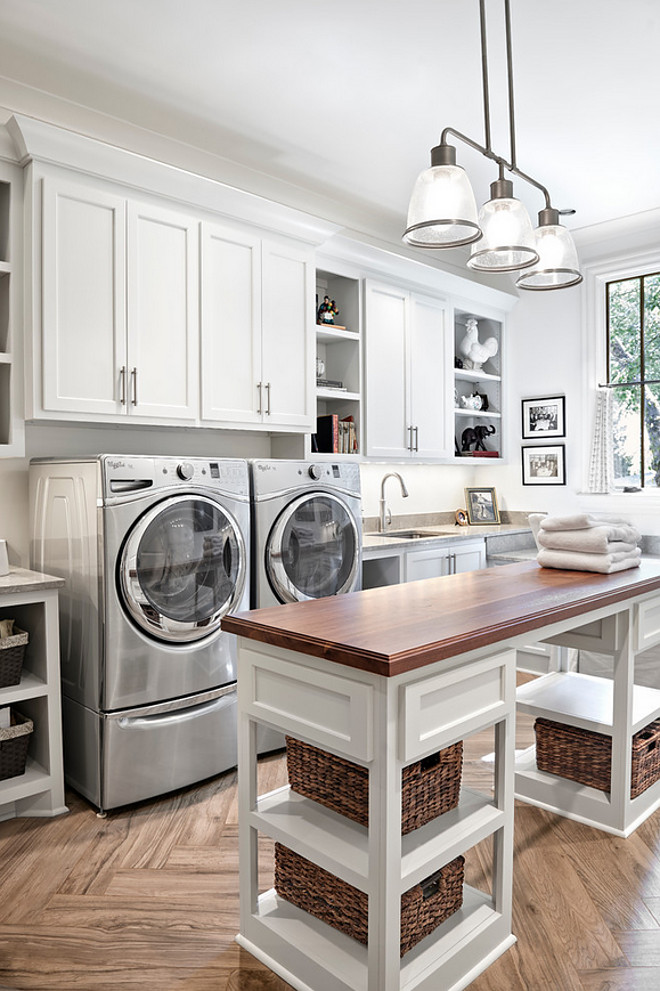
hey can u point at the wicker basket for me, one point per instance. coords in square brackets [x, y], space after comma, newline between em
[12, 652]
[586, 757]
[344, 907]
[428, 788]
[14, 743]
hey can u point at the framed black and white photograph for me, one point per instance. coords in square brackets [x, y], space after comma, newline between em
[544, 465]
[545, 417]
[481, 506]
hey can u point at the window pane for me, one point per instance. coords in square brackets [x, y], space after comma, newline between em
[626, 435]
[624, 330]
[652, 327]
[652, 436]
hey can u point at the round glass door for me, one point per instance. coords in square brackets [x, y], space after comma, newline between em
[313, 549]
[183, 568]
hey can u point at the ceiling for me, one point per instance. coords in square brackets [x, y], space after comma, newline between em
[345, 99]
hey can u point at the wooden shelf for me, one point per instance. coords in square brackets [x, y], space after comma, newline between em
[585, 701]
[470, 375]
[331, 334]
[486, 414]
[341, 394]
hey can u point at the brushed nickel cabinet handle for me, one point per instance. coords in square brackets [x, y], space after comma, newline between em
[122, 380]
[410, 444]
[268, 395]
[259, 387]
[416, 439]
[134, 380]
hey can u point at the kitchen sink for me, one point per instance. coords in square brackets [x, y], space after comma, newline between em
[406, 534]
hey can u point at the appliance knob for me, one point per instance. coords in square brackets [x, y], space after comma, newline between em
[185, 471]
[315, 472]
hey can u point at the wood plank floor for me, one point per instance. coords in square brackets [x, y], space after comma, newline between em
[148, 898]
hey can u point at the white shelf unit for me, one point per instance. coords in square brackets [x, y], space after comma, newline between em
[340, 349]
[484, 381]
[40, 791]
[12, 428]
[381, 722]
[613, 707]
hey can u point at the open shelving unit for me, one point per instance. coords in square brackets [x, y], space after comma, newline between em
[486, 380]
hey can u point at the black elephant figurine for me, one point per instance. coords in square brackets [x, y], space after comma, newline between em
[476, 436]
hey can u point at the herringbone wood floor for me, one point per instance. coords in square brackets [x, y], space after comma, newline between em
[147, 898]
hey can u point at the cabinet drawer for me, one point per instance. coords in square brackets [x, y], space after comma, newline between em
[440, 710]
[324, 708]
[604, 635]
[647, 623]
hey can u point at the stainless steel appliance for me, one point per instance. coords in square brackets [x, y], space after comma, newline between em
[155, 551]
[306, 530]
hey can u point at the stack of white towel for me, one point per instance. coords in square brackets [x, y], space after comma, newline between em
[585, 543]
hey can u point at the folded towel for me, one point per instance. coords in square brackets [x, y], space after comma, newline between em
[604, 563]
[579, 521]
[592, 540]
[534, 520]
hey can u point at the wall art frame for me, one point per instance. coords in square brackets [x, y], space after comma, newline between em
[544, 417]
[544, 465]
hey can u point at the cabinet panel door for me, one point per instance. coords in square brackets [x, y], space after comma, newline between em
[470, 558]
[84, 302]
[427, 564]
[163, 313]
[231, 324]
[429, 369]
[387, 386]
[287, 318]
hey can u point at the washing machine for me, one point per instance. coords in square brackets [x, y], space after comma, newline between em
[154, 551]
[306, 530]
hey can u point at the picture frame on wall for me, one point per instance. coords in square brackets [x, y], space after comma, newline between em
[481, 506]
[544, 465]
[544, 417]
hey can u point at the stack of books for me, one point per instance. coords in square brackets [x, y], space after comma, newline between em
[334, 435]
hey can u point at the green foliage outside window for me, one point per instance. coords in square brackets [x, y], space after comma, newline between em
[633, 327]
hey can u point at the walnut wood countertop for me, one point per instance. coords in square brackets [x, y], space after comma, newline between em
[399, 628]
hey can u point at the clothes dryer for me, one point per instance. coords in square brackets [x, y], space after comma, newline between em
[155, 551]
[306, 530]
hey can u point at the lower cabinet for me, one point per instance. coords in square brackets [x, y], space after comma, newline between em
[394, 565]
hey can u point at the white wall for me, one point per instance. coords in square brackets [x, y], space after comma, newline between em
[431, 488]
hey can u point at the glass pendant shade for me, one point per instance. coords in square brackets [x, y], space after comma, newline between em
[442, 211]
[557, 266]
[508, 241]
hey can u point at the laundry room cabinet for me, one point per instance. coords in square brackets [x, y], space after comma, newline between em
[408, 368]
[119, 305]
[256, 317]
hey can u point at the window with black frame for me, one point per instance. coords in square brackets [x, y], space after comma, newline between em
[633, 374]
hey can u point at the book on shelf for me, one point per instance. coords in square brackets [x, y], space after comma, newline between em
[480, 454]
[330, 326]
[334, 435]
[331, 384]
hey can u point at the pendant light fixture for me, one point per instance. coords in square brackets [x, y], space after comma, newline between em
[443, 214]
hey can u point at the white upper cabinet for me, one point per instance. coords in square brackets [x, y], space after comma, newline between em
[407, 373]
[257, 330]
[120, 321]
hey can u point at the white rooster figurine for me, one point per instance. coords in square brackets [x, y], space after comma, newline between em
[476, 354]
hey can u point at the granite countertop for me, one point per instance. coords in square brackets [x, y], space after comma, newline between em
[23, 580]
[446, 533]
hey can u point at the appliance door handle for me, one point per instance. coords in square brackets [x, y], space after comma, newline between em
[122, 382]
[177, 716]
[134, 381]
[259, 387]
[268, 398]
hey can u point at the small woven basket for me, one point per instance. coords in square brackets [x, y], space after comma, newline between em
[14, 742]
[12, 652]
[428, 788]
[586, 757]
[344, 907]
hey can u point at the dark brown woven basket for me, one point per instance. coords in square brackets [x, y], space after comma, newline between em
[428, 788]
[14, 743]
[12, 652]
[344, 907]
[586, 757]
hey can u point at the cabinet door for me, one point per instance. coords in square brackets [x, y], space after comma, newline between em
[287, 318]
[231, 324]
[83, 301]
[427, 564]
[163, 313]
[469, 558]
[387, 385]
[431, 418]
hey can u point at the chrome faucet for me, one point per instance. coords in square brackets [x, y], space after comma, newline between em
[385, 514]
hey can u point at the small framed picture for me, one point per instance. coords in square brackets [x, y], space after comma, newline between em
[481, 506]
[545, 417]
[544, 465]
[461, 517]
